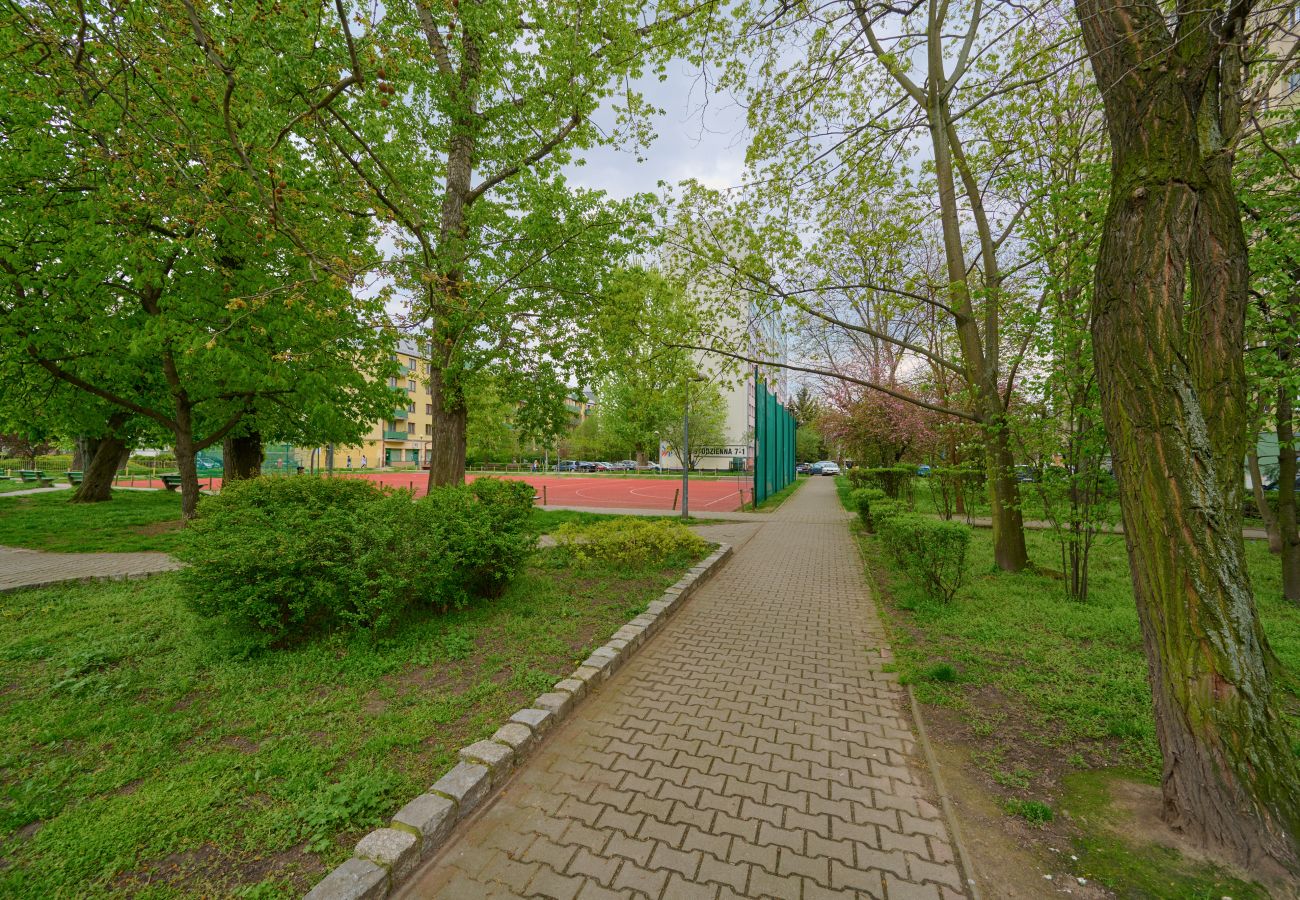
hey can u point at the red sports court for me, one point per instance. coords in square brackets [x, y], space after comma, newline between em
[712, 495]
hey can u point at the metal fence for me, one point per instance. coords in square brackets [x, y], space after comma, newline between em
[774, 430]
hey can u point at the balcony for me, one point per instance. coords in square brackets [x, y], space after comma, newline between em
[392, 435]
[400, 414]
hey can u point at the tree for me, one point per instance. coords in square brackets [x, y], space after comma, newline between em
[169, 246]
[1270, 196]
[1169, 310]
[835, 223]
[644, 324]
[804, 407]
[26, 446]
[501, 260]
[703, 426]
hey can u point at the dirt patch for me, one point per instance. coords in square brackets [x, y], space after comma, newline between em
[242, 744]
[156, 528]
[129, 788]
[1011, 858]
[209, 871]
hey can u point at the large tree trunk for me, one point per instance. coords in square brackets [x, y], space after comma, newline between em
[107, 455]
[1286, 501]
[1261, 503]
[185, 459]
[1009, 551]
[242, 456]
[447, 450]
[1168, 330]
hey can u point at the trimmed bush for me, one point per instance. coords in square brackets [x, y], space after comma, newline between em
[862, 499]
[930, 552]
[630, 541]
[280, 558]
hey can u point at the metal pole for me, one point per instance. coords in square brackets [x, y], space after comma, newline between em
[686, 450]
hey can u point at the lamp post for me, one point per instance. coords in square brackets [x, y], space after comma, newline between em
[686, 446]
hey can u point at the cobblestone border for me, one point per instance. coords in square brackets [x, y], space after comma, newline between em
[386, 857]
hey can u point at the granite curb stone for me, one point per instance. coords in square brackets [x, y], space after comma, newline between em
[386, 857]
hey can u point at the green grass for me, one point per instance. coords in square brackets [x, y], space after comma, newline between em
[1144, 871]
[1047, 686]
[1076, 670]
[131, 521]
[141, 754]
[782, 495]
[545, 521]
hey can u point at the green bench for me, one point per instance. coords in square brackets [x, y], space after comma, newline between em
[75, 478]
[35, 476]
[171, 482]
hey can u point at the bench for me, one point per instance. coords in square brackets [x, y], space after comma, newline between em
[171, 482]
[74, 478]
[35, 476]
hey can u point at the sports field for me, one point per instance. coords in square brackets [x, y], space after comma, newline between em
[603, 492]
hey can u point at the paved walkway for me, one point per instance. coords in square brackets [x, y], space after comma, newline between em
[754, 748]
[20, 568]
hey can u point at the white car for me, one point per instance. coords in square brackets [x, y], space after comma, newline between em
[825, 467]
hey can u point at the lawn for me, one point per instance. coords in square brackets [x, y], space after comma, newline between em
[142, 754]
[131, 521]
[1047, 693]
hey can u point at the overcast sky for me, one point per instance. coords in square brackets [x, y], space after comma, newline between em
[700, 136]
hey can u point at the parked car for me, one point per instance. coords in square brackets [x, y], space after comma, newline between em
[1274, 485]
[802, 469]
[1025, 474]
[825, 467]
[626, 465]
[923, 471]
[649, 467]
[566, 465]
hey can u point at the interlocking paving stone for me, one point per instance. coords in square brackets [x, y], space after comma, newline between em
[755, 748]
[20, 568]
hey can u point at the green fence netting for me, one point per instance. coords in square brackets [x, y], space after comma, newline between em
[773, 443]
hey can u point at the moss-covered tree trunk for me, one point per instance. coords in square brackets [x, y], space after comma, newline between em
[1168, 332]
[242, 456]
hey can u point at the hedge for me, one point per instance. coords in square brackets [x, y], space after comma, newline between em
[862, 499]
[281, 558]
[930, 552]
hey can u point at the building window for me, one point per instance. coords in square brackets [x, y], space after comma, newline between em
[428, 409]
[410, 428]
[392, 382]
[392, 426]
[428, 429]
[410, 386]
[410, 407]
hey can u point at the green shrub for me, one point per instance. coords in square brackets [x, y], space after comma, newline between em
[930, 552]
[862, 499]
[630, 541]
[895, 481]
[279, 558]
[883, 510]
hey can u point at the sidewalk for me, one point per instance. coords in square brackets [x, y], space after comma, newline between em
[755, 748]
[20, 568]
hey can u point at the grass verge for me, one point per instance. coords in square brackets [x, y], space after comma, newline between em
[1046, 693]
[131, 521]
[782, 495]
[141, 754]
